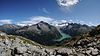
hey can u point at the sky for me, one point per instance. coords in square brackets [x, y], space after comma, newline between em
[24, 12]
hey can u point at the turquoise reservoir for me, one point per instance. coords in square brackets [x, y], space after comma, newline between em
[64, 36]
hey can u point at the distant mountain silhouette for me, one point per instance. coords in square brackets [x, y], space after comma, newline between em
[74, 29]
[9, 28]
[45, 33]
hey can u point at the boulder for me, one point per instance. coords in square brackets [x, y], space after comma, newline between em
[21, 50]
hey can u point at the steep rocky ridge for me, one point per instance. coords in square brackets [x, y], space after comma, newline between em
[74, 29]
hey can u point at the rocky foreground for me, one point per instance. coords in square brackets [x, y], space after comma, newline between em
[17, 46]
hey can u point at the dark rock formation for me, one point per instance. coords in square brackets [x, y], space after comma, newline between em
[95, 31]
[74, 29]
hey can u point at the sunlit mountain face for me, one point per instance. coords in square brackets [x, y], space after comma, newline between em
[49, 27]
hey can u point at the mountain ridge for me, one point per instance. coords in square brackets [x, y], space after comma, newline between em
[41, 32]
[45, 33]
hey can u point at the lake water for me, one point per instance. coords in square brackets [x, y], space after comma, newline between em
[64, 36]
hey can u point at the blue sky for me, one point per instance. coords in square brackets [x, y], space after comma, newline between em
[17, 11]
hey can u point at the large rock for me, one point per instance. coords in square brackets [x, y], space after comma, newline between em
[21, 50]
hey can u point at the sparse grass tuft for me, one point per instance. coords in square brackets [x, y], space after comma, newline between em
[2, 37]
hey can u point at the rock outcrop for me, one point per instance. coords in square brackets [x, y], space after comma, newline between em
[95, 31]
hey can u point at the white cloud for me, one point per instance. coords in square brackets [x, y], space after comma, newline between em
[59, 22]
[71, 21]
[82, 22]
[67, 3]
[6, 21]
[45, 10]
[41, 18]
[21, 24]
[90, 24]
[36, 19]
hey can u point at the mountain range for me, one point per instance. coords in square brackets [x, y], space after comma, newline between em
[34, 40]
[45, 33]
[41, 32]
[74, 29]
